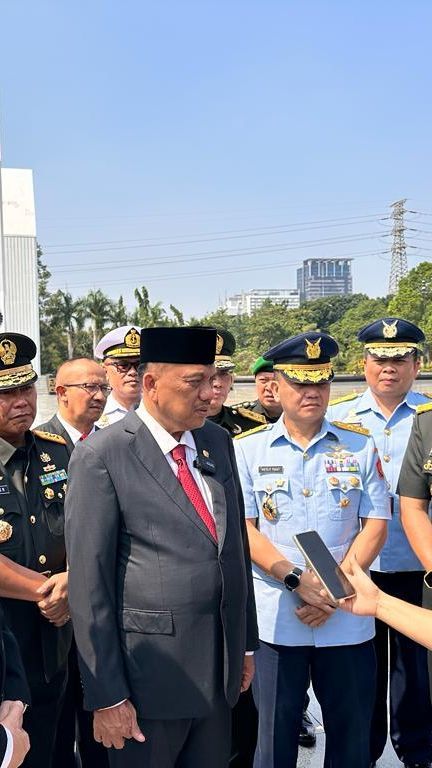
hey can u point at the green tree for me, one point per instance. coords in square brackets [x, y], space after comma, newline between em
[119, 314]
[99, 309]
[65, 315]
[413, 300]
[345, 331]
[148, 315]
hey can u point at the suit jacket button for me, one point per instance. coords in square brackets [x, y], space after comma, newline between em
[42, 559]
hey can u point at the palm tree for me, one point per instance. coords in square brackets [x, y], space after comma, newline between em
[66, 313]
[99, 309]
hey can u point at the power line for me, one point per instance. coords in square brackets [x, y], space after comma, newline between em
[209, 255]
[226, 235]
[234, 270]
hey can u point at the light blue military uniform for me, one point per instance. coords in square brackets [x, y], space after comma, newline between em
[328, 487]
[391, 438]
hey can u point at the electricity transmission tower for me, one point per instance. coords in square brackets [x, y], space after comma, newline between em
[399, 263]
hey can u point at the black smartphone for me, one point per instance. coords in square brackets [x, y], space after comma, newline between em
[324, 565]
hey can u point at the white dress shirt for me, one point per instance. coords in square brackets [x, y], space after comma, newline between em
[74, 434]
[9, 749]
[167, 442]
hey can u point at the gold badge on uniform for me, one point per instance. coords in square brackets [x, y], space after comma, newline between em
[219, 344]
[5, 530]
[428, 466]
[45, 457]
[49, 493]
[8, 352]
[64, 487]
[354, 481]
[269, 509]
[313, 349]
[345, 502]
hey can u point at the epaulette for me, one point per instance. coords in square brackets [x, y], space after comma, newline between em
[253, 431]
[344, 398]
[351, 427]
[244, 404]
[49, 436]
[251, 415]
[424, 407]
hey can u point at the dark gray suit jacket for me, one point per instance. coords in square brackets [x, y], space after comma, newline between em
[161, 614]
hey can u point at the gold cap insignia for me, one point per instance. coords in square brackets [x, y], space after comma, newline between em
[49, 493]
[8, 352]
[389, 329]
[313, 349]
[132, 339]
[219, 344]
[5, 530]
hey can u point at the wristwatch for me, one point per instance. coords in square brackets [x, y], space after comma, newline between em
[427, 578]
[292, 579]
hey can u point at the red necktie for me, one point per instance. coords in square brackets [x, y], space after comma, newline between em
[83, 436]
[191, 489]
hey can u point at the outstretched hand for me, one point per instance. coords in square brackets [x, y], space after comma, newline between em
[365, 601]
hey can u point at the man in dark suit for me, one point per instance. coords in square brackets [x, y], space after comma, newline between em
[161, 592]
[15, 695]
[82, 390]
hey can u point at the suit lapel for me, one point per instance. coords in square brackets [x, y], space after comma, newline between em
[57, 427]
[216, 488]
[146, 449]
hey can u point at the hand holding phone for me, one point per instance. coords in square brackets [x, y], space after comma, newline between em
[324, 566]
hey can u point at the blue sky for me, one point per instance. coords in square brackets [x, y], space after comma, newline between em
[201, 148]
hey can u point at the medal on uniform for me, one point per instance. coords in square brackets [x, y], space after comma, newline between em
[5, 530]
[269, 509]
[427, 467]
[49, 493]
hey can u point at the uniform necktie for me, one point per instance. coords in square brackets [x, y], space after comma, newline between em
[83, 436]
[191, 489]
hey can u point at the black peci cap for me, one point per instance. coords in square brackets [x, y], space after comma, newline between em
[178, 344]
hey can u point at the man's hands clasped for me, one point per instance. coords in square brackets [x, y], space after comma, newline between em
[318, 605]
[53, 604]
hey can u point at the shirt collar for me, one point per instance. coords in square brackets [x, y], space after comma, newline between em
[367, 402]
[165, 441]
[6, 451]
[73, 433]
[279, 430]
[112, 405]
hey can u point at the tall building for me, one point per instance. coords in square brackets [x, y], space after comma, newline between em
[247, 302]
[18, 254]
[324, 277]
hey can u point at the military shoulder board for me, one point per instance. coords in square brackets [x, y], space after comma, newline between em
[351, 427]
[424, 407]
[251, 415]
[49, 436]
[344, 398]
[253, 431]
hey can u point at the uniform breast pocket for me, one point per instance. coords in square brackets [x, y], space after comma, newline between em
[273, 497]
[54, 510]
[343, 495]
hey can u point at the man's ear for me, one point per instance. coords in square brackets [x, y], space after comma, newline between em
[274, 386]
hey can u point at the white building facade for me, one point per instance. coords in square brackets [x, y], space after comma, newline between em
[247, 302]
[18, 255]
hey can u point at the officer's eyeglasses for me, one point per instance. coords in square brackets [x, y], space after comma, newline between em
[124, 367]
[92, 389]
